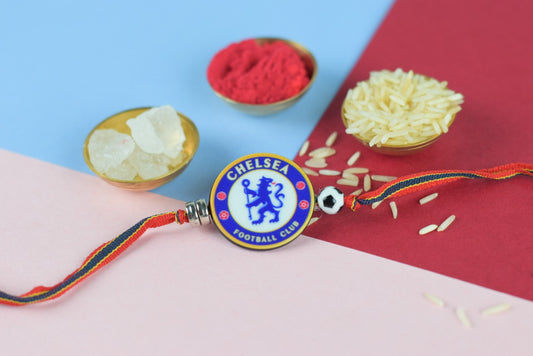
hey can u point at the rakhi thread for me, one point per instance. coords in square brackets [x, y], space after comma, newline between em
[417, 182]
[96, 260]
[113, 248]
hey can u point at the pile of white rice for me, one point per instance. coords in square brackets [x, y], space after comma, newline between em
[399, 108]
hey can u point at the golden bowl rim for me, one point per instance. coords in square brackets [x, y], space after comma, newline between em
[404, 147]
[143, 184]
[295, 45]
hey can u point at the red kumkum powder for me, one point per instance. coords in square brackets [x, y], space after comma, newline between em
[249, 73]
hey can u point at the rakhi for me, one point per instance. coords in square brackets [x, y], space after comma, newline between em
[260, 202]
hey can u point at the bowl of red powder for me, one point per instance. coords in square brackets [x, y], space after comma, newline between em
[262, 76]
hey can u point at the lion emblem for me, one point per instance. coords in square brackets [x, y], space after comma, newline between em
[261, 198]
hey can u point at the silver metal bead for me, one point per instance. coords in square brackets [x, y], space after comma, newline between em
[203, 212]
[192, 213]
[197, 212]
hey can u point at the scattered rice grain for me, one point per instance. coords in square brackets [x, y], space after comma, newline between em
[394, 209]
[463, 318]
[381, 178]
[428, 198]
[316, 163]
[344, 181]
[331, 139]
[329, 172]
[304, 148]
[350, 176]
[356, 192]
[376, 204]
[427, 229]
[322, 152]
[496, 309]
[366, 183]
[312, 220]
[353, 158]
[435, 300]
[309, 171]
[446, 223]
[356, 170]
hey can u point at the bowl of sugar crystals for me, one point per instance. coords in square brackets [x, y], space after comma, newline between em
[141, 149]
[399, 113]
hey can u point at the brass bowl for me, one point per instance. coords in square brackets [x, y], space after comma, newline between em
[268, 109]
[397, 150]
[118, 122]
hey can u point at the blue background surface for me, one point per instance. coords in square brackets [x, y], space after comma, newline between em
[67, 65]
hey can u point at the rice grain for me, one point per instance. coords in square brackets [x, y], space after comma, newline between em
[449, 220]
[427, 229]
[316, 163]
[496, 309]
[435, 300]
[322, 152]
[381, 178]
[351, 176]
[394, 209]
[344, 181]
[356, 170]
[309, 171]
[304, 148]
[463, 318]
[353, 158]
[331, 139]
[356, 192]
[428, 198]
[312, 220]
[366, 183]
[329, 172]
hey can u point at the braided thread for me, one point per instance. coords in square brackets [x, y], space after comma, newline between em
[421, 181]
[181, 217]
[100, 257]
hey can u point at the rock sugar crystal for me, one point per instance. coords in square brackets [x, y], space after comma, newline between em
[153, 149]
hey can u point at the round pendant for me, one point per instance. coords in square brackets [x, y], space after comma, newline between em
[261, 201]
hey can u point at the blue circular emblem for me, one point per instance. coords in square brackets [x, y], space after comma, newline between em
[261, 201]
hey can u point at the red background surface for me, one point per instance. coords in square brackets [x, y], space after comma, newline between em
[483, 49]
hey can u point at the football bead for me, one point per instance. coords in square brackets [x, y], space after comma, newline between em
[330, 200]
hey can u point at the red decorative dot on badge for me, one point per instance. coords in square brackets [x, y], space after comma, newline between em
[224, 215]
[300, 185]
[304, 204]
[221, 195]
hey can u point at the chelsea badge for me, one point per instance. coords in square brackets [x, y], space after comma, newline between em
[261, 201]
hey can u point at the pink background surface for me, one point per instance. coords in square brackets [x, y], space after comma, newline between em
[185, 290]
